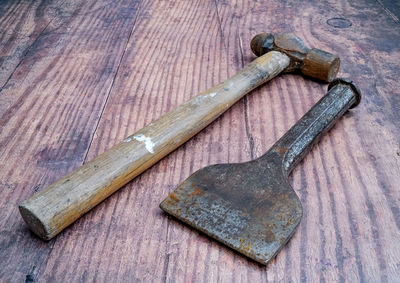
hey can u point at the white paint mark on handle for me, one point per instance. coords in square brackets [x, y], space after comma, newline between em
[199, 99]
[128, 139]
[147, 142]
[142, 138]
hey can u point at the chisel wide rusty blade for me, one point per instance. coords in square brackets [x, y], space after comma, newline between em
[251, 207]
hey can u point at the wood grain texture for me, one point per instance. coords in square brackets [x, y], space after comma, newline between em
[49, 112]
[106, 69]
[21, 22]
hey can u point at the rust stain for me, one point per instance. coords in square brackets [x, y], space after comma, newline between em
[269, 236]
[243, 246]
[283, 197]
[281, 150]
[291, 221]
[270, 225]
[174, 197]
[196, 192]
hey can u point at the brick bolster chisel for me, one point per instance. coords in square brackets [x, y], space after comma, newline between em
[251, 206]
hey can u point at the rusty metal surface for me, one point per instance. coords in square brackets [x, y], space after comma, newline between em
[315, 63]
[251, 207]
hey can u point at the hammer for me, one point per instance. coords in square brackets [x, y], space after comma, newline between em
[52, 209]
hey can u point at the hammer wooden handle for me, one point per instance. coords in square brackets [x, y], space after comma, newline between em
[51, 210]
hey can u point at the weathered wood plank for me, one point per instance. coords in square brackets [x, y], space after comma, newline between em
[348, 184]
[21, 22]
[49, 111]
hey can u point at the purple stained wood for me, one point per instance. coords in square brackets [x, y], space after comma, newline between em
[78, 77]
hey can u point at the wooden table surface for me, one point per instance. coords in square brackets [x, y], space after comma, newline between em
[78, 76]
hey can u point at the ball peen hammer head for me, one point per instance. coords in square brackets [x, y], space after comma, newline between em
[314, 63]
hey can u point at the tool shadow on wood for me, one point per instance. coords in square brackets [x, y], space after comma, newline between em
[251, 206]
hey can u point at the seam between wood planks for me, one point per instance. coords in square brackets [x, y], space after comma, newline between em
[27, 51]
[388, 12]
[219, 23]
[113, 81]
[245, 102]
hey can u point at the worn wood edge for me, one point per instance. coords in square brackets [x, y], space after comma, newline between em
[34, 222]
